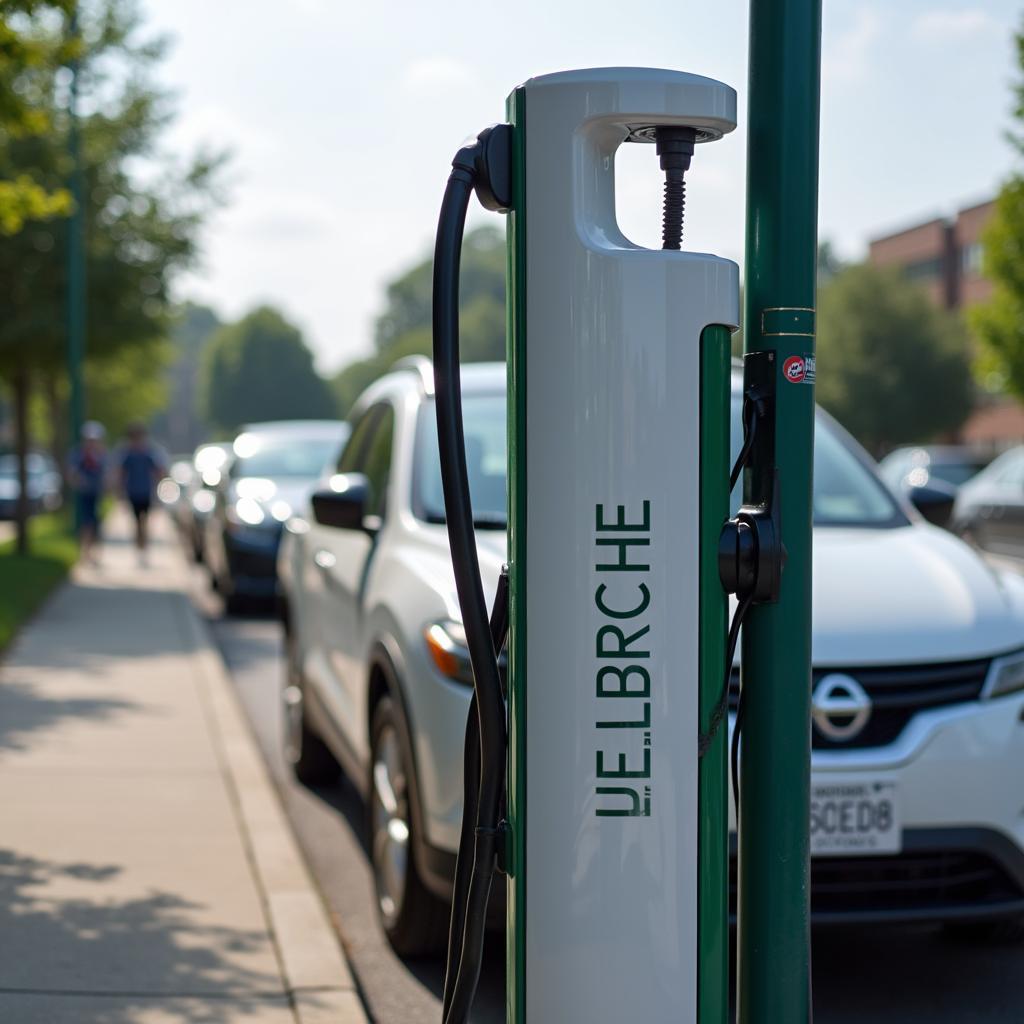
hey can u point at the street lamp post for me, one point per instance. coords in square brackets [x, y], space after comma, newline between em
[782, 198]
[75, 253]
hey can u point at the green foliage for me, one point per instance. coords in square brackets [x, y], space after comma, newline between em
[27, 580]
[28, 57]
[138, 232]
[404, 328]
[884, 355]
[129, 385]
[999, 323]
[260, 369]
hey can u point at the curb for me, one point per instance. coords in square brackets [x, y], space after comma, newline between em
[316, 974]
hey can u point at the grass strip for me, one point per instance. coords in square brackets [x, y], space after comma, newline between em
[27, 580]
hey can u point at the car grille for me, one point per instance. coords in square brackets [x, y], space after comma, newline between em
[907, 882]
[897, 694]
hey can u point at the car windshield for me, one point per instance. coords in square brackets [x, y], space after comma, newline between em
[955, 473]
[846, 492]
[296, 456]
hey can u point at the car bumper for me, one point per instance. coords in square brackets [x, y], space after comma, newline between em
[252, 561]
[958, 770]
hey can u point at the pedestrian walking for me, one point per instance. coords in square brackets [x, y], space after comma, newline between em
[141, 465]
[87, 467]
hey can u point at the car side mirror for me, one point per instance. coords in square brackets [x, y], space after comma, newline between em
[934, 501]
[343, 502]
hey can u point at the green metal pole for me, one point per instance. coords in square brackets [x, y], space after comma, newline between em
[773, 971]
[75, 256]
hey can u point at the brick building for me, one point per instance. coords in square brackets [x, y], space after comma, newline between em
[944, 257]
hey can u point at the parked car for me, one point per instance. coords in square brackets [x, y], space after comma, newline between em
[272, 468]
[930, 475]
[989, 510]
[44, 484]
[918, 672]
[208, 466]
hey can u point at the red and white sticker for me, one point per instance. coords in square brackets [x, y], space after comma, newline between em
[799, 369]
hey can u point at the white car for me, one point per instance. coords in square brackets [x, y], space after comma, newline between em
[918, 651]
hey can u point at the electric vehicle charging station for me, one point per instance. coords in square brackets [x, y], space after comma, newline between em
[597, 783]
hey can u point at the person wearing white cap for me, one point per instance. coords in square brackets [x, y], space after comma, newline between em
[87, 470]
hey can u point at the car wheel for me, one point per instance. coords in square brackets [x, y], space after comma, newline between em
[414, 919]
[1000, 932]
[310, 758]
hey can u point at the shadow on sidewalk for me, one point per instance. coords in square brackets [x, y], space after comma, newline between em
[24, 711]
[87, 624]
[62, 932]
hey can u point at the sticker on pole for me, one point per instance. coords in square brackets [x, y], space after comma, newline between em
[799, 369]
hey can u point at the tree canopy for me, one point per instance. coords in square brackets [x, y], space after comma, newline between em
[999, 323]
[404, 328]
[139, 229]
[29, 56]
[261, 369]
[884, 353]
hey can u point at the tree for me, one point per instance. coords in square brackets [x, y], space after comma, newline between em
[404, 328]
[260, 369]
[140, 229]
[891, 366]
[999, 323]
[28, 57]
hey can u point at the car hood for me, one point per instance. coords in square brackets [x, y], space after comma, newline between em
[911, 594]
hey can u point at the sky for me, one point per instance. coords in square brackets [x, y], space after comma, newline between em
[342, 117]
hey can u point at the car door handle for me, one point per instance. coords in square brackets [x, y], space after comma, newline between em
[325, 560]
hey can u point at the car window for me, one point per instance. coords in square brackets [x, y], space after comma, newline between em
[377, 463]
[292, 456]
[352, 458]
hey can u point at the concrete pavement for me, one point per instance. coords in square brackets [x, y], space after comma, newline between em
[147, 872]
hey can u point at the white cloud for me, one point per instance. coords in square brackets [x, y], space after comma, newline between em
[940, 26]
[431, 77]
[849, 57]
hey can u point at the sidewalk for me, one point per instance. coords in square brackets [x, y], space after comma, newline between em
[147, 872]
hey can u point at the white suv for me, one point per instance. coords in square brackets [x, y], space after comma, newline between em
[918, 649]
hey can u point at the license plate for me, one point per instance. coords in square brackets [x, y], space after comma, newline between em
[854, 816]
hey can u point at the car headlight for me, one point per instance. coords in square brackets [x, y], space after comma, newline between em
[446, 644]
[1006, 675]
[249, 511]
[449, 651]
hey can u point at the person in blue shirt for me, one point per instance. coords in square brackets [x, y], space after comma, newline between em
[141, 466]
[87, 469]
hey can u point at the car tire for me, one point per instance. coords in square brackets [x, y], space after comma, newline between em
[309, 757]
[414, 919]
[1004, 931]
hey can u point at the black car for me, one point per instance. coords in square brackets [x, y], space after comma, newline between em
[275, 466]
